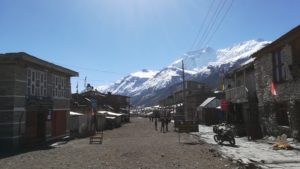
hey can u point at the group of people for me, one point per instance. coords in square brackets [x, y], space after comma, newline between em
[164, 119]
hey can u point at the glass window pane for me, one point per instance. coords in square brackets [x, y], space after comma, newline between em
[42, 78]
[42, 91]
[33, 76]
[29, 73]
[32, 89]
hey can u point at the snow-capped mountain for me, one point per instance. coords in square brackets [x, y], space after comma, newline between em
[129, 84]
[200, 60]
[240, 51]
[196, 59]
[204, 65]
[166, 77]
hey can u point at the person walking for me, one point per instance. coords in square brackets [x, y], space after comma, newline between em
[162, 126]
[168, 120]
[155, 123]
[167, 123]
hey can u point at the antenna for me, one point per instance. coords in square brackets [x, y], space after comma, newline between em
[85, 82]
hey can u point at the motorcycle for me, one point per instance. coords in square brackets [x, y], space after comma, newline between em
[224, 132]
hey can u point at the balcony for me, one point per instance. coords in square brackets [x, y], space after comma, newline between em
[237, 94]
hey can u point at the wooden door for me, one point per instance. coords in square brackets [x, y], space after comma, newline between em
[31, 127]
[35, 127]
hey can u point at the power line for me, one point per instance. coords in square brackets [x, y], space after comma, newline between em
[206, 29]
[212, 23]
[215, 30]
[91, 80]
[220, 23]
[202, 25]
[213, 26]
[89, 69]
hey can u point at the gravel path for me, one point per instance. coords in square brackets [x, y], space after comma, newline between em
[135, 145]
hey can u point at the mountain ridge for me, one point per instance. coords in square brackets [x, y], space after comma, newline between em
[205, 65]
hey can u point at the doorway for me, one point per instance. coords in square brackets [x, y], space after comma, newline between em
[35, 127]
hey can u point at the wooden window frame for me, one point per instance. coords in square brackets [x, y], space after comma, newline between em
[281, 110]
[34, 84]
[59, 86]
[279, 73]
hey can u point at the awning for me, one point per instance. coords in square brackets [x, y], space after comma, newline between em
[75, 114]
[150, 113]
[109, 117]
[207, 101]
[109, 113]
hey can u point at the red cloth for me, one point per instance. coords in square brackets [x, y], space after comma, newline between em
[273, 89]
[224, 105]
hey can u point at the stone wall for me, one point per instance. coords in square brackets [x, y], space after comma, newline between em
[12, 112]
[14, 103]
[288, 92]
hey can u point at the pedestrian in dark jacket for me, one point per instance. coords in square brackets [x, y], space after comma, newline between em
[162, 126]
[155, 123]
[167, 123]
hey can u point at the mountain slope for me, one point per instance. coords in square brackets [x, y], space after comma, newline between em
[203, 65]
[129, 84]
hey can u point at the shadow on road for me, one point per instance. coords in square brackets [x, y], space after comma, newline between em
[6, 154]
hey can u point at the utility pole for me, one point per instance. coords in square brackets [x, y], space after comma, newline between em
[184, 94]
[77, 87]
[77, 92]
[85, 83]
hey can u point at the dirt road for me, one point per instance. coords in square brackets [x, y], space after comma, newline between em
[135, 145]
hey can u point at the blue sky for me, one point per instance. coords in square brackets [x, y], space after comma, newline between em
[108, 39]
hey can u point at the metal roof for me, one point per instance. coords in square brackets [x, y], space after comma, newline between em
[207, 101]
[75, 113]
[109, 113]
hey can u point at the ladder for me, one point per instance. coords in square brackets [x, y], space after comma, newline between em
[97, 137]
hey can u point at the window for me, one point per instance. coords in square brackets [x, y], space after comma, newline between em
[295, 65]
[36, 82]
[296, 51]
[59, 86]
[281, 114]
[279, 69]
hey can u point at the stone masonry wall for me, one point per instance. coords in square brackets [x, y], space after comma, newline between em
[287, 92]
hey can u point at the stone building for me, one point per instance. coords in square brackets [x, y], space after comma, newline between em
[34, 100]
[277, 75]
[240, 93]
[186, 100]
[209, 112]
[90, 100]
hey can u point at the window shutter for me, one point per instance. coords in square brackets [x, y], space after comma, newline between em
[274, 67]
[280, 66]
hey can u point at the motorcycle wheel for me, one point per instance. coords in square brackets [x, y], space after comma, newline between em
[216, 138]
[232, 141]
